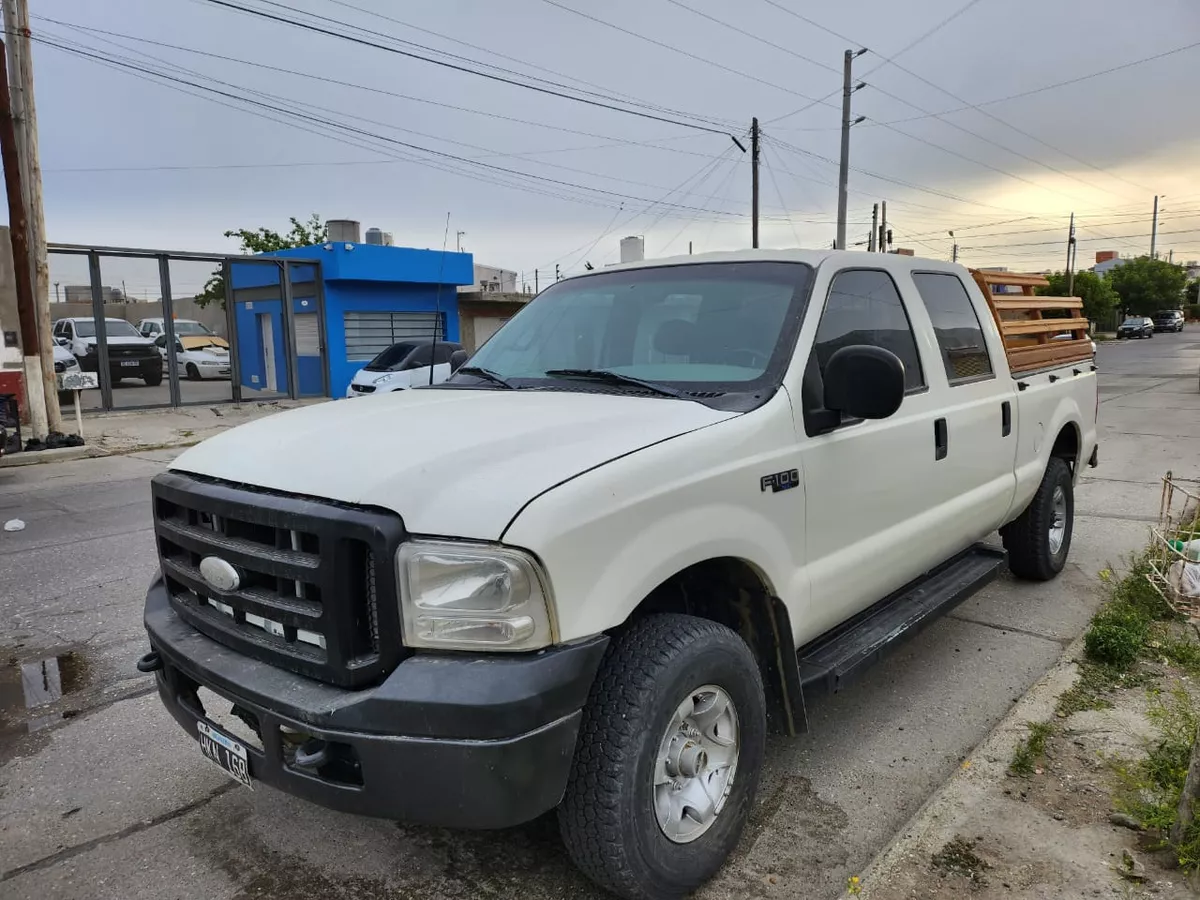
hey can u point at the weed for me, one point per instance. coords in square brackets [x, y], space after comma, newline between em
[1179, 651]
[1030, 750]
[1149, 789]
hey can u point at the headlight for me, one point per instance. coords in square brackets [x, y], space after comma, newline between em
[464, 597]
[383, 378]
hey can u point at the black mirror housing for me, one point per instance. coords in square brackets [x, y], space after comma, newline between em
[457, 358]
[864, 382]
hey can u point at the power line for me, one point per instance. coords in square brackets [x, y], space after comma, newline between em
[460, 68]
[440, 156]
[779, 194]
[1055, 85]
[1092, 240]
[370, 88]
[670, 47]
[921, 38]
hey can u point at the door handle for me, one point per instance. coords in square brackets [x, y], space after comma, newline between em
[1005, 419]
[941, 439]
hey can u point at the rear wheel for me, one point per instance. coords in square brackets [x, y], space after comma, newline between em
[1039, 540]
[668, 758]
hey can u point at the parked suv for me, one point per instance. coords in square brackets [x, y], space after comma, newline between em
[129, 354]
[1168, 320]
[664, 504]
[1136, 327]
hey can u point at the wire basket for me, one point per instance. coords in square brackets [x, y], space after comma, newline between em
[1178, 524]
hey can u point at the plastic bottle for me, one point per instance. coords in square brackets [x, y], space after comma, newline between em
[1190, 549]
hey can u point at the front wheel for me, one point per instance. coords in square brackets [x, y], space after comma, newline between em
[152, 378]
[668, 758]
[1039, 540]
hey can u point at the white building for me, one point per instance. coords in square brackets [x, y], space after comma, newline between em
[491, 280]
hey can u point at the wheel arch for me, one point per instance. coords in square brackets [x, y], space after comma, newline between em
[738, 594]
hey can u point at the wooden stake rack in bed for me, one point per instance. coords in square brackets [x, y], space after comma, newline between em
[1038, 332]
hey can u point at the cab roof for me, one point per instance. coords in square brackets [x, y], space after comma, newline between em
[893, 262]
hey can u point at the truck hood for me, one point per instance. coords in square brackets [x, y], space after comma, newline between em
[454, 463]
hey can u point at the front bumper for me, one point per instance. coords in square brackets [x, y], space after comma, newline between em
[451, 739]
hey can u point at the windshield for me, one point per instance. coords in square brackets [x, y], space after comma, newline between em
[392, 356]
[703, 328]
[112, 328]
[182, 328]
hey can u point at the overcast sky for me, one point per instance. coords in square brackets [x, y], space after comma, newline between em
[131, 161]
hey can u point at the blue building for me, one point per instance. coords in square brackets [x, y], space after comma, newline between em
[372, 295]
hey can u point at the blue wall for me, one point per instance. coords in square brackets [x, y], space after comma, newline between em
[363, 278]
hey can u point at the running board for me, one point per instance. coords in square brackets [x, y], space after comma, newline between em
[828, 663]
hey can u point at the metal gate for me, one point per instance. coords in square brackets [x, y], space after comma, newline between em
[172, 328]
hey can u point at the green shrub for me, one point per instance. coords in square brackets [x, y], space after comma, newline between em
[1113, 644]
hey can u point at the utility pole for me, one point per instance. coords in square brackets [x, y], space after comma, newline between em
[754, 140]
[954, 252]
[536, 289]
[1154, 230]
[458, 236]
[883, 241]
[18, 232]
[556, 275]
[1071, 258]
[24, 110]
[874, 229]
[848, 88]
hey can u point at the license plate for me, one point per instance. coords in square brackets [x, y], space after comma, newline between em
[130, 363]
[228, 754]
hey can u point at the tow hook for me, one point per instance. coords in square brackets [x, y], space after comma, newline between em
[151, 662]
[312, 754]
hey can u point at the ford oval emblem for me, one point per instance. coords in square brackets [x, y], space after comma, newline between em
[219, 574]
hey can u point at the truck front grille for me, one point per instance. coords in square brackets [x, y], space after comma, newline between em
[313, 578]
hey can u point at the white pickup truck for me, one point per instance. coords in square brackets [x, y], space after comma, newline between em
[596, 567]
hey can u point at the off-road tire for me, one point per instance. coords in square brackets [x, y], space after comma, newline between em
[1027, 538]
[152, 379]
[607, 817]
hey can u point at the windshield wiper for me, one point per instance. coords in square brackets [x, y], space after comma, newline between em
[485, 374]
[610, 377]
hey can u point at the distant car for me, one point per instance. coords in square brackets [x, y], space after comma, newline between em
[1136, 327]
[152, 328]
[406, 364]
[129, 354]
[1168, 320]
[198, 356]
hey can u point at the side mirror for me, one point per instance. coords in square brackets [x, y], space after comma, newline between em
[62, 342]
[864, 382]
[457, 358]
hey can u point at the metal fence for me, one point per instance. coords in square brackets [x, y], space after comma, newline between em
[140, 320]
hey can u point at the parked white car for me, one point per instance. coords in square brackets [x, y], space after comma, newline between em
[198, 356]
[64, 364]
[129, 354]
[662, 505]
[152, 328]
[406, 364]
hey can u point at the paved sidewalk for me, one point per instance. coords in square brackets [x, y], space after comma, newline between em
[151, 429]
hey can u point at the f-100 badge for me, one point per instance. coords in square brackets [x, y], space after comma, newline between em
[780, 481]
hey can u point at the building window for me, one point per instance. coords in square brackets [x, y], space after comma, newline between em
[308, 335]
[370, 333]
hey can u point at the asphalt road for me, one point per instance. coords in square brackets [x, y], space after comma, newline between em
[101, 795]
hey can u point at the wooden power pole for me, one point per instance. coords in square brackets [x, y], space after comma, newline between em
[24, 109]
[18, 232]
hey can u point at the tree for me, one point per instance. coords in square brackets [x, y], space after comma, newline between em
[1099, 299]
[1193, 292]
[1147, 285]
[264, 240]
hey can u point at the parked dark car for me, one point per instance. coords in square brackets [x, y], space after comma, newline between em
[1136, 327]
[1168, 320]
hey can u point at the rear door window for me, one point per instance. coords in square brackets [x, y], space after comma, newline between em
[956, 325]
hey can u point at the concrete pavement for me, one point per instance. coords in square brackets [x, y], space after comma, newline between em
[114, 801]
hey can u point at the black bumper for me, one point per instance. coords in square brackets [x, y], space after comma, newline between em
[458, 740]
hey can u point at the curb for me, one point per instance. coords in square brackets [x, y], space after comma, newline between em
[934, 823]
[60, 454]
